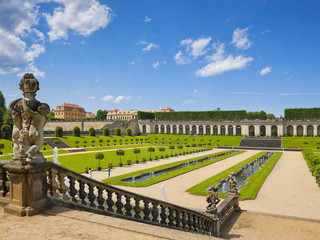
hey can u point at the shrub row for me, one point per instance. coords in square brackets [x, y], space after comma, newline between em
[302, 113]
[313, 162]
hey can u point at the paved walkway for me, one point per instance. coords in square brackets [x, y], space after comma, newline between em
[289, 190]
[175, 188]
[148, 164]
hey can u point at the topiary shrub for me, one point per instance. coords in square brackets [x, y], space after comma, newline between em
[166, 156]
[156, 157]
[6, 131]
[110, 165]
[129, 162]
[143, 160]
[106, 131]
[77, 143]
[56, 142]
[92, 132]
[117, 132]
[100, 141]
[93, 141]
[128, 132]
[1, 147]
[59, 132]
[45, 143]
[76, 132]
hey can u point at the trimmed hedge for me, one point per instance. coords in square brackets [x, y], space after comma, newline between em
[313, 162]
[202, 115]
[145, 115]
[302, 113]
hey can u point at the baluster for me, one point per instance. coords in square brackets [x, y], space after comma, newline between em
[82, 193]
[171, 217]
[155, 213]
[189, 221]
[163, 215]
[194, 223]
[55, 182]
[119, 204]
[73, 190]
[49, 182]
[137, 208]
[110, 202]
[178, 221]
[184, 221]
[146, 210]
[63, 188]
[128, 206]
[3, 180]
[91, 196]
[100, 199]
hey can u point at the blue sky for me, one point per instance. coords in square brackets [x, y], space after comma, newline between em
[186, 54]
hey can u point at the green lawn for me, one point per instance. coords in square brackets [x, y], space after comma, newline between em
[301, 142]
[200, 188]
[118, 140]
[255, 182]
[45, 153]
[198, 139]
[117, 147]
[79, 162]
[171, 174]
[7, 146]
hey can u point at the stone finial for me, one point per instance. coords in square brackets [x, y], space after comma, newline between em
[29, 84]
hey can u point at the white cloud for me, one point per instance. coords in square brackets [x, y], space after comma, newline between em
[97, 80]
[92, 97]
[149, 45]
[195, 91]
[196, 48]
[164, 62]
[120, 98]
[34, 52]
[224, 65]
[189, 102]
[155, 65]
[107, 98]
[81, 16]
[180, 59]
[218, 52]
[147, 19]
[265, 71]
[132, 63]
[240, 38]
[266, 31]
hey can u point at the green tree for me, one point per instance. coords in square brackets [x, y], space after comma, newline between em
[101, 114]
[99, 156]
[270, 116]
[50, 115]
[92, 132]
[106, 131]
[136, 151]
[262, 115]
[120, 153]
[93, 141]
[128, 131]
[162, 149]
[150, 150]
[118, 132]
[76, 132]
[6, 131]
[59, 132]
[2, 107]
[7, 118]
[171, 148]
[77, 143]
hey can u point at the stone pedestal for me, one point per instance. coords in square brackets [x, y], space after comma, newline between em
[28, 189]
[235, 201]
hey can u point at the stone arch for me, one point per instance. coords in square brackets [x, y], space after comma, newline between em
[208, 130]
[310, 131]
[144, 129]
[174, 129]
[290, 131]
[168, 129]
[162, 129]
[156, 129]
[251, 131]
[238, 130]
[263, 130]
[200, 130]
[180, 129]
[222, 130]
[215, 130]
[274, 131]
[194, 129]
[187, 129]
[230, 130]
[300, 131]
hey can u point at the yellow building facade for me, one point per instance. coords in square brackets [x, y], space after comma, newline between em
[69, 112]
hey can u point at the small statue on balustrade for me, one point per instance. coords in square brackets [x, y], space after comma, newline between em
[213, 200]
[233, 184]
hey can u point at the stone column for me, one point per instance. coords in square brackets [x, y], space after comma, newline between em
[294, 130]
[280, 130]
[219, 130]
[28, 189]
[256, 130]
[268, 130]
[304, 130]
[234, 129]
[315, 130]
[197, 129]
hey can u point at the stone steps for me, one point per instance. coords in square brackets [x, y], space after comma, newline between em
[260, 142]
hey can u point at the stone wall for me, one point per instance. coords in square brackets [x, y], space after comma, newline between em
[68, 126]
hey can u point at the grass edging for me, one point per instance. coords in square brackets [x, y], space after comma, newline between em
[154, 180]
[256, 180]
[200, 188]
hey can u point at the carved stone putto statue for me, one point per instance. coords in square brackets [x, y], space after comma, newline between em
[233, 184]
[213, 201]
[29, 117]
